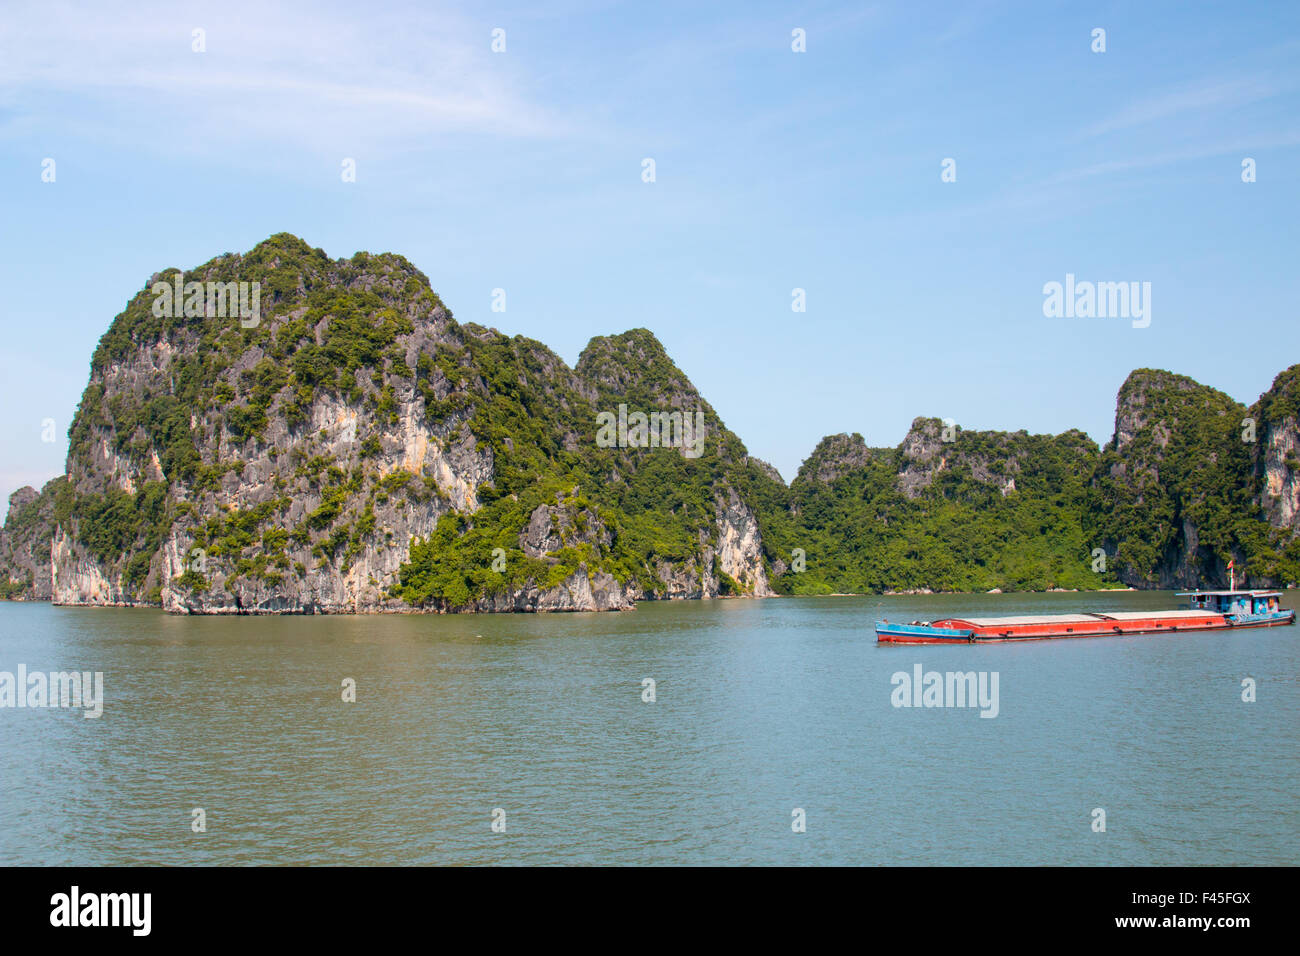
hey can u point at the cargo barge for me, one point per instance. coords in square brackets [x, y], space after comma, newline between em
[1206, 611]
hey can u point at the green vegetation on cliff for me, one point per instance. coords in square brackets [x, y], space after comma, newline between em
[655, 504]
[990, 511]
[1174, 498]
[292, 452]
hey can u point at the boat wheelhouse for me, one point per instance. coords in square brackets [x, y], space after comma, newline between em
[1241, 605]
[1206, 611]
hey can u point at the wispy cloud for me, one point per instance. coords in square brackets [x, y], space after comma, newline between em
[1237, 147]
[1201, 97]
[321, 78]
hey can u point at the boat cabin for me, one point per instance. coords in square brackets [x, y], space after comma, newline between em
[1235, 603]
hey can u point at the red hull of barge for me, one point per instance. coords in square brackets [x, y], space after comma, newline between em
[1100, 626]
[1209, 611]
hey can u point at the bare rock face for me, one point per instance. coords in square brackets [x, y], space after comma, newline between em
[585, 592]
[540, 537]
[1275, 419]
[691, 579]
[416, 472]
[265, 477]
[562, 525]
[739, 547]
[1280, 466]
[581, 591]
[77, 578]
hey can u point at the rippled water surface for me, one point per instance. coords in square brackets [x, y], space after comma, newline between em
[763, 707]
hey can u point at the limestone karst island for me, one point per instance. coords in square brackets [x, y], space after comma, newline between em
[338, 443]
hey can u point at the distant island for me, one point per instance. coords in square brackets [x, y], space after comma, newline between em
[281, 432]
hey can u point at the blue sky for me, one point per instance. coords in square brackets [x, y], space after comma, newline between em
[775, 170]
